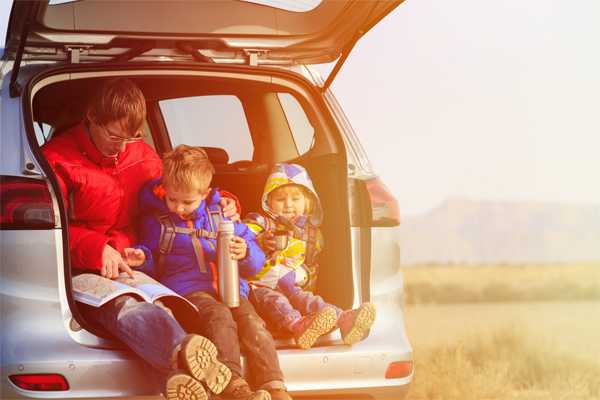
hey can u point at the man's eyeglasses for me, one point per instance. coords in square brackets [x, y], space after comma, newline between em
[120, 139]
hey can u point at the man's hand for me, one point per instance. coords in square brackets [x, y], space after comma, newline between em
[133, 257]
[112, 262]
[229, 208]
[238, 248]
[268, 244]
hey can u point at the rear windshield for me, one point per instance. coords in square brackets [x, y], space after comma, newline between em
[220, 121]
[209, 121]
[288, 5]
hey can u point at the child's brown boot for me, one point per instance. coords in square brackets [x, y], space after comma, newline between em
[279, 394]
[180, 385]
[307, 329]
[238, 389]
[354, 323]
[199, 356]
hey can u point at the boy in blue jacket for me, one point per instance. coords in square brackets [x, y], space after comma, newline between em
[189, 268]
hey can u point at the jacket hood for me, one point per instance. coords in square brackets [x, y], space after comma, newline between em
[152, 200]
[288, 174]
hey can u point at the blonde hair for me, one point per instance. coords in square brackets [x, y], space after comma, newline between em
[187, 168]
[291, 190]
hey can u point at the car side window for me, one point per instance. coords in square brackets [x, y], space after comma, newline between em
[42, 133]
[302, 130]
[147, 135]
[209, 121]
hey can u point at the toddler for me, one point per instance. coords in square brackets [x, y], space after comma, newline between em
[183, 196]
[284, 285]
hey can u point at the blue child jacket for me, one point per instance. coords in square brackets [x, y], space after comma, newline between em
[181, 270]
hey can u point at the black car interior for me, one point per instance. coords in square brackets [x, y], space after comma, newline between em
[60, 105]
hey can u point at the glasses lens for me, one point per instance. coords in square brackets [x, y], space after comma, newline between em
[116, 139]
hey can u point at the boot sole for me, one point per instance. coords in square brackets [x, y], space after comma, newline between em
[363, 322]
[321, 325]
[181, 386]
[200, 358]
[260, 395]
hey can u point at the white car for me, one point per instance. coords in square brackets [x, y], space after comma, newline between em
[233, 75]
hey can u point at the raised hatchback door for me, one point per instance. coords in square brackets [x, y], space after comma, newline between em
[222, 30]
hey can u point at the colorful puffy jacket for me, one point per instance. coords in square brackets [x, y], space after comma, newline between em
[280, 273]
[101, 193]
[181, 271]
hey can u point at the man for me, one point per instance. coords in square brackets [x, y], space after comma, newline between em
[102, 165]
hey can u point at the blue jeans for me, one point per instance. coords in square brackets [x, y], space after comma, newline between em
[145, 328]
[233, 330]
[281, 310]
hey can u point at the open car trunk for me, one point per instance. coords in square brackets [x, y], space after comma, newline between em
[247, 122]
[232, 76]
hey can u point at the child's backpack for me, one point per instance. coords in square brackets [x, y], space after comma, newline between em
[309, 266]
[168, 230]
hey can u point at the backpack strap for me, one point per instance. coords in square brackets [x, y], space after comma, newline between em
[197, 233]
[168, 229]
[311, 244]
[197, 250]
[310, 237]
[213, 210]
[167, 236]
[270, 222]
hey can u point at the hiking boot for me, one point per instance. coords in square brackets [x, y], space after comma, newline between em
[354, 323]
[242, 391]
[279, 394]
[307, 329]
[181, 386]
[199, 356]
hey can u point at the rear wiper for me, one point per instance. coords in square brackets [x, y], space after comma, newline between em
[142, 48]
[187, 48]
[13, 87]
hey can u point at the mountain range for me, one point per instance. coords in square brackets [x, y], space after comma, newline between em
[491, 232]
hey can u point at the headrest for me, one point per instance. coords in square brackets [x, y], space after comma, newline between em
[216, 155]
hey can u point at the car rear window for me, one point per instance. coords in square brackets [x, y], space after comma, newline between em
[288, 5]
[302, 131]
[211, 121]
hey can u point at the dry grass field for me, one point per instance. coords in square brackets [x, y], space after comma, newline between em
[500, 283]
[480, 347]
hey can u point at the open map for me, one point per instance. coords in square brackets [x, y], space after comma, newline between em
[96, 290]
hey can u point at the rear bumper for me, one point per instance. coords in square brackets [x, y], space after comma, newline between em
[399, 392]
[360, 375]
[331, 369]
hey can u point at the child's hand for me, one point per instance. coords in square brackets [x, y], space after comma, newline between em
[268, 244]
[133, 257]
[238, 248]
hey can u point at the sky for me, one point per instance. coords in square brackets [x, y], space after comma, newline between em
[481, 100]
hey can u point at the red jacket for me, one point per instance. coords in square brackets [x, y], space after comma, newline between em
[101, 193]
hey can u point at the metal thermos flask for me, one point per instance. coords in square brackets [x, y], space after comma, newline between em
[227, 269]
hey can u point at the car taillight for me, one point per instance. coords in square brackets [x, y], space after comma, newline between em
[398, 370]
[25, 203]
[40, 383]
[384, 205]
